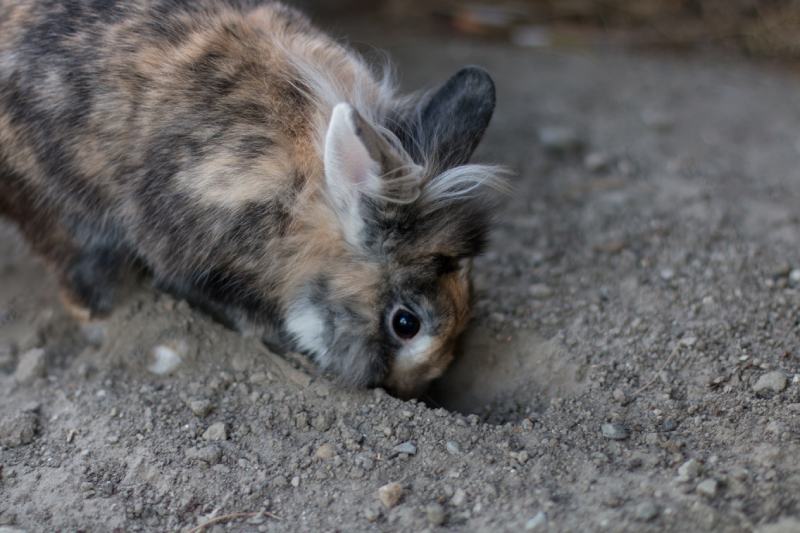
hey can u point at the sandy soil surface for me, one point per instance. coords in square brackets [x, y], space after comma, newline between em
[632, 365]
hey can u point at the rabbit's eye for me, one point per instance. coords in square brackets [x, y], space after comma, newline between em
[405, 324]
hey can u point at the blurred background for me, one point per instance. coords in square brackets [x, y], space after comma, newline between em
[765, 28]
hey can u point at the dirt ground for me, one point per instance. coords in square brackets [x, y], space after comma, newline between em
[633, 364]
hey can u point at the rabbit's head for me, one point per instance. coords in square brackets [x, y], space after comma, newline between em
[387, 305]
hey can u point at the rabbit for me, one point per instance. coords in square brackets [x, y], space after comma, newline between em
[252, 165]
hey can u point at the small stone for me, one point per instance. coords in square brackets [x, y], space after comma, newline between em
[708, 488]
[771, 382]
[295, 481]
[452, 447]
[646, 511]
[521, 457]
[540, 291]
[216, 432]
[667, 274]
[18, 430]
[560, 140]
[325, 452]
[200, 407]
[614, 431]
[658, 120]
[407, 448]
[390, 494]
[436, 514]
[208, 454]
[31, 365]
[794, 275]
[597, 162]
[619, 395]
[689, 470]
[165, 359]
[785, 525]
[538, 522]
[459, 497]
[372, 513]
[322, 422]
[669, 425]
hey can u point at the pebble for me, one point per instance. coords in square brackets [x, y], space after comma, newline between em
[407, 448]
[208, 454]
[560, 140]
[708, 488]
[372, 514]
[646, 511]
[452, 447]
[18, 430]
[771, 382]
[165, 360]
[669, 425]
[325, 452]
[31, 365]
[656, 119]
[689, 470]
[614, 431]
[537, 522]
[540, 291]
[200, 408]
[216, 432]
[459, 497]
[619, 395]
[597, 162]
[436, 514]
[794, 275]
[295, 481]
[390, 494]
[667, 274]
[785, 525]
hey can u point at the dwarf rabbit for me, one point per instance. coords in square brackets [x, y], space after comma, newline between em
[252, 164]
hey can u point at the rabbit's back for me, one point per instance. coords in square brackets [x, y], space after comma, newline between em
[180, 130]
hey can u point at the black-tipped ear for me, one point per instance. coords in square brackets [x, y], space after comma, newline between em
[455, 117]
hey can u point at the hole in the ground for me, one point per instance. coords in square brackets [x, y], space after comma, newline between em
[505, 380]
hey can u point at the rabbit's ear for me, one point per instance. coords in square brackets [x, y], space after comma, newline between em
[358, 161]
[454, 118]
[350, 166]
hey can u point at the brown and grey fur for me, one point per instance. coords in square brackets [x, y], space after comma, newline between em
[191, 136]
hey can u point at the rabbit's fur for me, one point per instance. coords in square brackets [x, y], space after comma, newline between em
[251, 164]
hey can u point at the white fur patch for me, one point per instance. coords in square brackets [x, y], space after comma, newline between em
[413, 353]
[308, 328]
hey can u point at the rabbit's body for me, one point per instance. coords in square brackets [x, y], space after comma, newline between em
[248, 161]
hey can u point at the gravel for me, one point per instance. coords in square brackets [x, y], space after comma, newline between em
[201, 407]
[771, 382]
[708, 488]
[615, 431]
[408, 448]
[561, 140]
[19, 429]
[31, 366]
[325, 452]
[390, 494]
[216, 432]
[646, 511]
[208, 454]
[689, 470]
[537, 523]
[436, 514]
